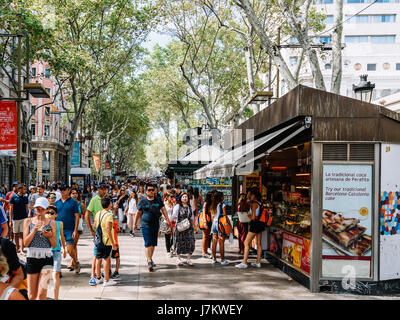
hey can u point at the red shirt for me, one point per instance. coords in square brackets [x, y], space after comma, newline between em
[115, 232]
[8, 197]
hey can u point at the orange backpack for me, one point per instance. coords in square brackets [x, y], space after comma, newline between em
[224, 225]
[266, 216]
[204, 220]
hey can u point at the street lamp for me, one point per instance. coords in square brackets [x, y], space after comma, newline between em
[364, 89]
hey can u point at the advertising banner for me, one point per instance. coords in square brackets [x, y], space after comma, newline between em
[108, 165]
[8, 128]
[296, 250]
[389, 215]
[96, 160]
[347, 218]
[75, 160]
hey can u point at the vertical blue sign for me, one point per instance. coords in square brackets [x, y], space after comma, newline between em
[75, 160]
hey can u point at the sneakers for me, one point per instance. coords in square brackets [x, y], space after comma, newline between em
[99, 281]
[190, 263]
[109, 283]
[224, 263]
[206, 256]
[150, 266]
[77, 268]
[179, 263]
[256, 265]
[115, 275]
[214, 261]
[131, 234]
[170, 254]
[241, 265]
[92, 281]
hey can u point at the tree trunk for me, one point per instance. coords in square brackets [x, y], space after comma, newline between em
[337, 48]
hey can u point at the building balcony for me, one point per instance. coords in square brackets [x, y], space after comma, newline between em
[48, 139]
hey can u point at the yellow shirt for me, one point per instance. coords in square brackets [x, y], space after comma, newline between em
[106, 217]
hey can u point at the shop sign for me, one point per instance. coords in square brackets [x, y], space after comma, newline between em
[108, 165]
[347, 219]
[296, 250]
[8, 128]
[389, 215]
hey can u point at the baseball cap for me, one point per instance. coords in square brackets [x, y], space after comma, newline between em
[32, 187]
[102, 185]
[41, 202]
[15, 183]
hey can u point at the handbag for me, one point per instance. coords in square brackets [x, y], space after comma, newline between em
[80, 224]
[164, 228]
[183, 225]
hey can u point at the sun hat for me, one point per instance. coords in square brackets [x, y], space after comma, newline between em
[41, 202]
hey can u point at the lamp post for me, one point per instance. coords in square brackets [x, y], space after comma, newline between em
[363, 90]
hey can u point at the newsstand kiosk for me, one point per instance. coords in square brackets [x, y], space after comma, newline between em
[329, 170]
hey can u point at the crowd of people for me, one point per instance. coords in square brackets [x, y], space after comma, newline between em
[43, 225]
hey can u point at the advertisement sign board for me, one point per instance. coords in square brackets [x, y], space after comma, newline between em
[8, 128]
[347, 213]
[296, 250]
[389, 215]
[75, 160]
[96, 160]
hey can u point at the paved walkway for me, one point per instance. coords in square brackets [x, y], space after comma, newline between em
[204, 281]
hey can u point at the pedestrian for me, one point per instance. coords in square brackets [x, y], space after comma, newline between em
[7, 292]
[93, 209]
[105, 220]
[178, 191]
[121, 205]
[52, 197]
[31, 198]
[81, 207]
[68, 213]
[218, 210]
[184, 241]
[3, 223]
[206, 211]
[243, 206]
[40, 237]
[149, 211]
[58, 254]
[169, 240]
[115, 253]
[114, 196]
[18, 212]
[131, 210]
[141, 194]
[6, 201]
[254, 230]
[40, 193]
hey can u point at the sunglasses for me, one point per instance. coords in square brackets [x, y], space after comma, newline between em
[52, 197]
[151, 190]
[51, 212]
[39, 209]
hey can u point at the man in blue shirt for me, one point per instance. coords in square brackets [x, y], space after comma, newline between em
[18, 213]
[68, 213]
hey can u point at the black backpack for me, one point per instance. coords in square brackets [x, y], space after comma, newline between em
[98, 237]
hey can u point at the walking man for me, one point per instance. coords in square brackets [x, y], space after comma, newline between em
[18, 212]
[149, 211]
[68, 213]
[93, 208]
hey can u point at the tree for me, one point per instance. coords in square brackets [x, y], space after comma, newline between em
[93, 43]
[302, 20]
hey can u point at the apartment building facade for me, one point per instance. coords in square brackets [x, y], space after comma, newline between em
[372, 46]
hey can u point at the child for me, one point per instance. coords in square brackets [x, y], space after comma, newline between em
[51, 213]
[115, 253]
[105, 219]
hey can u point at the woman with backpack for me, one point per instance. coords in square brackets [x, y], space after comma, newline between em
[184, 241]
[255, 230]
[205, 224]
[218, 210]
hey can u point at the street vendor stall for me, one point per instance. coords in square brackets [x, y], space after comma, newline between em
[328, 169]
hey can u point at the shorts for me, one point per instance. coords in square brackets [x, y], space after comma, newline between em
[18, 226]
[256, 226]
[214, 227]
[150, 236]
[115, 253]
[57, 261]
[103, 253]
[34, 265]
[68, 237]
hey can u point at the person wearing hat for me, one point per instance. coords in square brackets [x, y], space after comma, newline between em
[18, 212]
[92, 209]
[68, 213]
[39, 194]
[39, 237]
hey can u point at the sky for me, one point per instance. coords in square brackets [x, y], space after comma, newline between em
[157, 38]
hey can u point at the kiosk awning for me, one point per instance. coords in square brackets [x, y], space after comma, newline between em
[225, 165]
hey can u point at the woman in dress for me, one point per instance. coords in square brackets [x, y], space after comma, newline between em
[169, 206]
[184, 241]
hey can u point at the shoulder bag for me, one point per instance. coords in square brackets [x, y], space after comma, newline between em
[184, 224]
